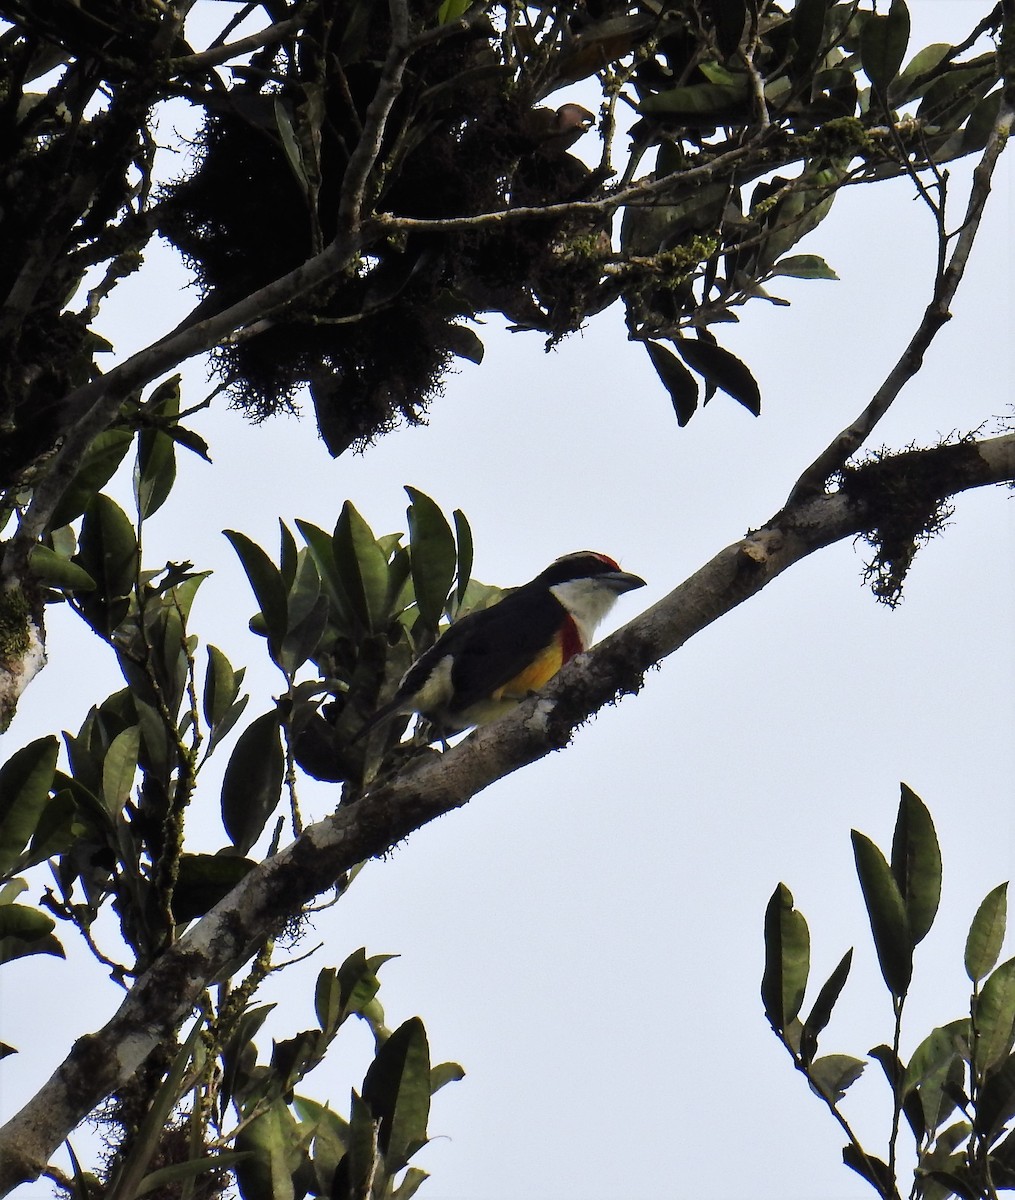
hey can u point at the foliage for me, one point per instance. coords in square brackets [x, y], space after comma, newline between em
[417, 133]
[112, 825]
[957, 1092]
[367, 181]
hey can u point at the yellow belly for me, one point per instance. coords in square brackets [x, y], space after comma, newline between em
[537, 673]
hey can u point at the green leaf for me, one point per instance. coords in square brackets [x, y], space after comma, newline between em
[722, 369]
[411, 1183]
[821, 1013]
[994, 1017]
[916, 863]
[986, 934]
[181, 1172]
[221, 686]
[808, 26]
[729, 18]
[832, 1075]
[804, 266]
[676, 379]
[919, 72]
[396, 1089]
[887, 912]
[935, 1064]
[464, 343]
[874, 1170]
[101, 459]
[203, 880]
[463, 538]
[787, 959]
[25, 781]
[268, 587]
[54, 569]
[155, 469]
[108, 552]
[712, 103]
[883, 44]
[321, 546]
[252, 784]
[432, 556]
[443, 1074]
[451, 10]
[119, 768]
[997, 1100]
[25, 931]
[363, 568]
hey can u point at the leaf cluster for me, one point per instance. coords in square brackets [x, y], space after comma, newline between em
[957, 1092]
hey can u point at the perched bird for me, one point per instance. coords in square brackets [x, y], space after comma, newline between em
[492, 658]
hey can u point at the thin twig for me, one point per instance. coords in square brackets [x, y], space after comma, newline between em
[936, 314]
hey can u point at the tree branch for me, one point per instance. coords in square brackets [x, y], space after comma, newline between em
[166, 994]
[936, 314]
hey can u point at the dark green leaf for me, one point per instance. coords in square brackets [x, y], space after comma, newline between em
[916, 863]
[189, 440]
[808, 25]
[938, 1060]
[874, 1170]
[322, 548]
[397, 1090]
[25, 931]
[821, 1013]
[723, 369]
[432, 555]
[101, 459]
[363, 568]
[464, 343]
[832, 1075]
[981, 123]
[711, 103]
[787, 959]
[108, 553]
[676, 379]
[729, 18]
[268, 1140]
[57, 571]
[463, 537]
[252, 785]
[986, 934]
[887, 913]
[995, 1017]
[221, 686]
[288, 555]
[883, 44]
[155, 472]
[266, 582]
[996, 1102]
[25, 780]
[804, 266]
[203, 880]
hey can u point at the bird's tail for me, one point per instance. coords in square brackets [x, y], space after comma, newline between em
[385, 713]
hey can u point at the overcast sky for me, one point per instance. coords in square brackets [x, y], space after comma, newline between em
[586, 936]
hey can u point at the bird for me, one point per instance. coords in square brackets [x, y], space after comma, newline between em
[490, 659]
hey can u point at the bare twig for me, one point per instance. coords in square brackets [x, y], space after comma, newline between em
[936, 314]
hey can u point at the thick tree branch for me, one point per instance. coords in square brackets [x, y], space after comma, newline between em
[166, 994]
[936, 314]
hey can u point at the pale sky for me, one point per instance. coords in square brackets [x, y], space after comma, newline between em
[586, 936]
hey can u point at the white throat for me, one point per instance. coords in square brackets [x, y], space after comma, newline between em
[588, 602]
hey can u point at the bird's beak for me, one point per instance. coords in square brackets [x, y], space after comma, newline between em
[622, 581]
